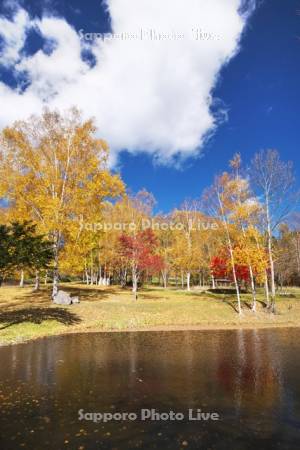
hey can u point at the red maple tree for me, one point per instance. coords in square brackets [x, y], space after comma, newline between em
[220, 268]
[140, 251]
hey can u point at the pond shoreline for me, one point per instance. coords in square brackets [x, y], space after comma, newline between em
[158, 329]
[27, 315]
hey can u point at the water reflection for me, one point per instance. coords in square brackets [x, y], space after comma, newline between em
[249, 377]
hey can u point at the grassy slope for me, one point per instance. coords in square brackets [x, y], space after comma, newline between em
[25, 315]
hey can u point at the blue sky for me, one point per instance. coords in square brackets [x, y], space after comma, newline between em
[259, 88]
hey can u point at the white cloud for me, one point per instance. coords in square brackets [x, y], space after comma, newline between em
[13, 32]
[145, 95]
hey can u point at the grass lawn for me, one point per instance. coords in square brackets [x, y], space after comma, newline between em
[26, 315]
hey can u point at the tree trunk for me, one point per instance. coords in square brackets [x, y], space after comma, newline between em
[188, 279]
[271, 261]
[92, 269]
[55, 273]
[55, 284]
[165, 277]
[272, 275]
[252, 289]
[86, 272]
[98, 281]
[267, 290]
[237, 288]
[134, 283]
[213, 281]
[123, 278]
[236, 284]
[37, 281]
[252, 282]
[22, 279]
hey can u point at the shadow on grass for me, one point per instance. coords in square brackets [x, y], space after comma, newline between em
[37, 316]
[234, 304]
[225, 291]
[146, 296]
[89, 293]
[43, 296]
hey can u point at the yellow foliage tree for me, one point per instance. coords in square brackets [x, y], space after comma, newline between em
[57, 173]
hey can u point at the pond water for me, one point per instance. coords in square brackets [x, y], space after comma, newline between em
[249, 378]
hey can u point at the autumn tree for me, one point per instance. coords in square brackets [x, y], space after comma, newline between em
[57, 172]
[95, 248]
[219, 201]
[287, 263]
[221, 268]
[187, 251]
[166, 237]
[274, 182]
[141, 252]
[245, 213]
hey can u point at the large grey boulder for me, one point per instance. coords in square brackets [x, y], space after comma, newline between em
[64, 298]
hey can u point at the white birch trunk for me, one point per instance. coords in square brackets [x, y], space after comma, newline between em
[188, 279]
[22, 279]
[37, 281]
